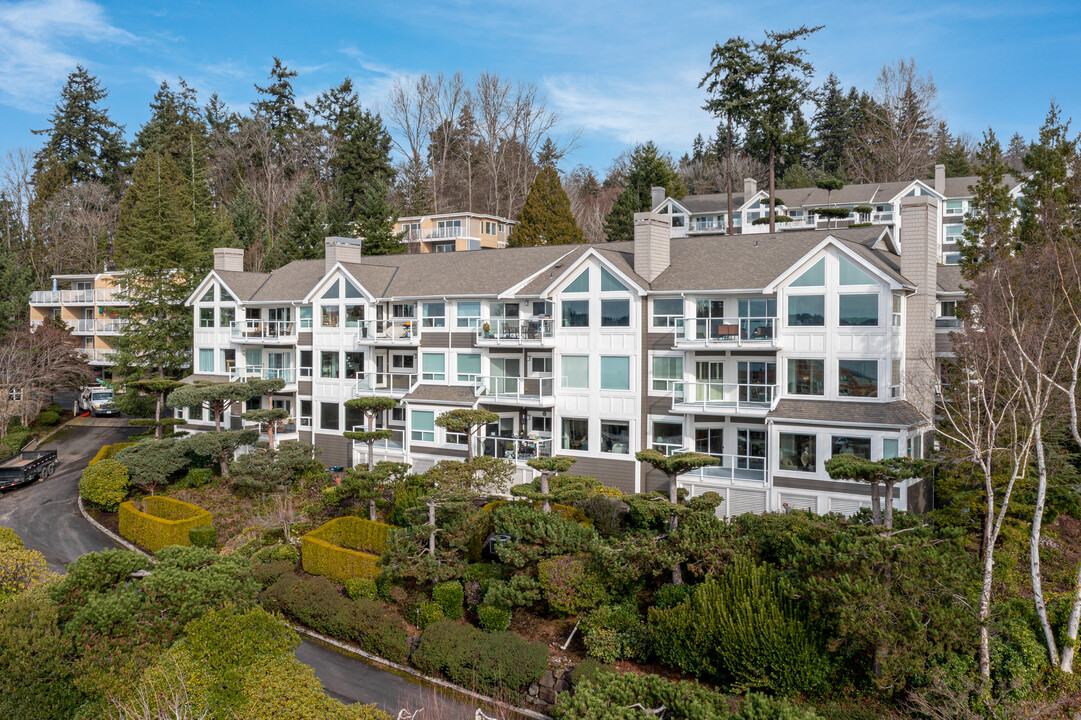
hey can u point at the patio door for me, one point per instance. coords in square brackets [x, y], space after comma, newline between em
[506, 374]
[751, 448]
[709, 380]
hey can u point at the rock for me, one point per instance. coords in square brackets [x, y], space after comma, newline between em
[548, 681]
[548, 695]
[559, 673]
[561, 685]
[533, 688]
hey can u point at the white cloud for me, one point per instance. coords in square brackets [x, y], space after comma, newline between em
[33, 38]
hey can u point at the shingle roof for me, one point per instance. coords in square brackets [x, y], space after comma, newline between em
[961, 187]
[899, 413]
[291, 282]
[949, 279]
[717, 202]
[244, 284]
[443, 394]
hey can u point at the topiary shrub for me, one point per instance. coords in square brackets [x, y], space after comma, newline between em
[205, 536]
[450, 597]
[163, 521]
[493, 618]
[615, 632]
[483, 661]
[344, 548]
[196, 478]
[429, 612]
[9, 540]
[104, 485]
[570, 584]
[48, 418]
[361, 588]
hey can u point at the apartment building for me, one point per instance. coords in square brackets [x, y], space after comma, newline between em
[771, 352]
[877, 204]
[454, 232]
[88, 305]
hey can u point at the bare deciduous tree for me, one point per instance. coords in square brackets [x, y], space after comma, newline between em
[33, 365]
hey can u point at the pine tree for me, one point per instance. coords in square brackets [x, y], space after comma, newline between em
[17, 281]
[1049, 209]
[278, 104]
[81, 140]
[375, 222]
[546, 217]
[305, 229]
[246, 218]
[155, 244]
[832, 127]
[647, 169]
[362, 159]
[1015, 153]
[549, 155]
[990, 226]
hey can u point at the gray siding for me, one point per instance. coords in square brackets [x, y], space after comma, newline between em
[610, 471]
[461, 340]
[852, 488]
[429, 339]
[304, 387]
[337, 450]
[304, 339]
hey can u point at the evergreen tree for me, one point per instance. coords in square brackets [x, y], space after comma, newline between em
[375, 222]
[278, 104]
[246, 218]
[549, 155]
[989, 227]
[951, 152]
[335, 104]
[16, 279]
[82, 142]
[155, 244]
[218, 117]
[305, 229]
[546, 217]
[1050, 206]
[647, 169]
[1015, 153]
[362, 159]
[832, 127]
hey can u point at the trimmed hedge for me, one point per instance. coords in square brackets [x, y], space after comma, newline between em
[361, 588]
[480, 660]
[205, 536]
[564, 511]
[166, 521]
[428, 613]
[105, 485]
[108, 452]
[493, 618]
[344, 548]
[450, 597]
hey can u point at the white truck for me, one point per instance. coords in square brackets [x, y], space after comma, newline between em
[96, 400]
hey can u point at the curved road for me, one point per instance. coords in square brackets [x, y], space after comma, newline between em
[46, 516]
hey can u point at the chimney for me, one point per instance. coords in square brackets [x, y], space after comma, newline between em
[657, 195]
[342, 249]
[750, 187]
[940, 179]
[919, 264]
[652, 244]
[229, 259]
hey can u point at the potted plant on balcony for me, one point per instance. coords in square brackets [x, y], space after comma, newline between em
[487, 330]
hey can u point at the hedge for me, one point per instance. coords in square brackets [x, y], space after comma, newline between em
[478, 660]
[108, 452]
[205, 536]
[566, 512]
[165, 522]
[344, 548]
[105, 484]
[450, 596]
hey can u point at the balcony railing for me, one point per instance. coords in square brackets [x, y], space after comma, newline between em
[711, 226]
[75, 297]
[705, 396]
[101, 326]
[947, 321]
[393, 384]
[395, 443]
[98, 356]
[445, 233]
[732, 468]
[282, 427]
[245, 372]
[726, 331]
[513, 448]
[266, 330]
[882, 218]
[517, 390]
[45, 297]
[402, 331]
[518, 331]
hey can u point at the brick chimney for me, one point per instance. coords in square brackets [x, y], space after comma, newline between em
[652, 244]
[229, 259]
[657, 195]
[919, 265]
[342, 249]
[750, 187]
[940, 179]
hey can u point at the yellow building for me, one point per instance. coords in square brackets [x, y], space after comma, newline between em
[454, 232]
[88, 305]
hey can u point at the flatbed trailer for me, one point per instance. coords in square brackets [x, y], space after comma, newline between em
[26, 467]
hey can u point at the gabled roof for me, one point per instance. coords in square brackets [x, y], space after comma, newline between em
[243, 284]
[713, 202]
[961, 187]
[897, 413]
[949, 279]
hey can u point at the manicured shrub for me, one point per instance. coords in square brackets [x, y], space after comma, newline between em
[587, 670]
[344, 548]
[493, 618]
[361, 588]
[607, 513]
[196, 478]
[280, 551]
[48, 418]
[570, 585]
[429, 612]
[205, 536]
[165, 521]
[266, 574]
[615, 632]
[450, 597]
[105, 485]
[18, 570]
[9, 540]
[484, 661]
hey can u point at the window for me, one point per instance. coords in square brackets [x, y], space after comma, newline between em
[352, 291]
[328, 365]
[542, 308]
[857, 378]
[954, 207]
[206, 317]
[433, 366]
[615, 313]
[895, 377]
[575, 434]
[851, 274]
[575, 313]
[799, 452]
[751, 449]
[206, 360]
[226, 316]
[858, 310]
[806, 310]
[615, 437]
[403, 362]
[468, 314]
[540, 364]
[897, 304]
[574, 371]
[332, 292]
[468, 368]
[306, 413]
[541, 423]
[709, 440]
[815, 276]
[610, 283]
[434, 314]
[757, 379]
[305, 317]
[951, 258]
[615, 373]
[329, 315]
[354, 365]
[668, 374]
[580, 284]
[889, 448]
[667, 437]
[403, 311]
[806, 377]
[355, 420]
[305, 363]
[328, 416]
[858, 446]
[397, 414]
[667, 312]
[422, 427]
[443, 247]
[207, 297]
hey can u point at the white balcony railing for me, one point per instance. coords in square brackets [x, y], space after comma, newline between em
[263, 330]
[286, 426]
[726, 331]
[100, 326]
[246, 372]
[392, 384]
[402, 331]
[98, 356]
[518, 331]
[513, 448]
[705, 396]
[732, 468]
[75, 297]
[882, 218]
[517, 390]
[395, 443]
[445, 233]
[45, 297]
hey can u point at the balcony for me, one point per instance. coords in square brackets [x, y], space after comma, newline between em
[445, 233]
[76, 297]
[98, 356]
[269, 332]
[389, 332]
[520, 449]
[45, 297]
[726, 332]
[284, 430]
[733, 468]
[394, 385]
[882, 218]
[696, 226]
[99, 326]
[258, 372]
[524, 391]
[530, 332]
[718, 397]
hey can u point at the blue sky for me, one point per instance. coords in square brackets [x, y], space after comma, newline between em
[619, 71]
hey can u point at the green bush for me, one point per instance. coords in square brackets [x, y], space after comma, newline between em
[9, 540]
[761, 707]
[165, 521]
[741, 631]
[196, 478]
[570, 584]
[361, 588]
[587, 670]
[668, 596]
[493, 618]
[274, 553]
[15, 440]
[429, 612]
[266, 574]
[105, 485]
[483, 661]
[615, 632]
[205, 536]
[451, 597]
[607, 696]
[344, 548]
[48, 418]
